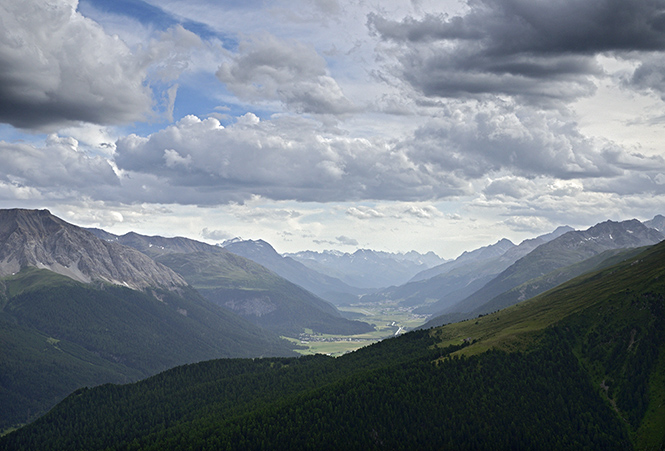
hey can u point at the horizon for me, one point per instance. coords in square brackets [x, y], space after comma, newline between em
[400, 252]
[424, 125]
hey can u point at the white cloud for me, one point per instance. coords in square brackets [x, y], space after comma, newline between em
[531, 224]
[215, 234]
[475, 140]
[346, 241]
[362, 212]
[59, 68]
[173, 158]
[424, 212]
[282, 158]
[57, 169]
[267, 68]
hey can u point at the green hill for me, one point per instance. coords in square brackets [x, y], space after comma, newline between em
[59, 334]
[579, 367]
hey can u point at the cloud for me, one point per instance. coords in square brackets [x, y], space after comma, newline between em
[425, 212]
[532, 224]
[57, 169]
[362, 212]
[481, 139]
[649, 75]
[215, 234]
[345, 240]
[340, 240]
[512, 187]
[267, 69]
[200, 161]
[58, 67]
[542, 52]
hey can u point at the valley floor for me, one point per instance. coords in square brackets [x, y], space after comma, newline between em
[388, 319]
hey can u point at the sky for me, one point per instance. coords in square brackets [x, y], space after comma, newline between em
[332, 124]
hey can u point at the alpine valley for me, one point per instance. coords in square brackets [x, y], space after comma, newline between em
[153, 343]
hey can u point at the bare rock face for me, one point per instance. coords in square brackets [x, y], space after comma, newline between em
[37, 238]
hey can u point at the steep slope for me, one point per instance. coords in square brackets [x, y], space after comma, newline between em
[568, 249]
[39, 239]
[76, 310]
[552, 279]
[329, 288]
[579, 367]
[481, 254]
[613, 320]
[243, 286]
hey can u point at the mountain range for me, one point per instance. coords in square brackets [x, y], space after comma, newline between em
[326, 287]
[39, 239]
[85, 307]
[243, 285]
[77, 310]
[581, 366]
[368, 269]
[436, 288]
[563, 251]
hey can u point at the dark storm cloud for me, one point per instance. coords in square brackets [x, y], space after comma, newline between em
[538, 49]
[58, 67]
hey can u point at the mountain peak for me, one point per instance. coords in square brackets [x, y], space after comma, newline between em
[36, 238]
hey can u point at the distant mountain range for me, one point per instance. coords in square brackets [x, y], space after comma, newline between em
[444, 285]
[658, 223]
[366, 268]
[321, 284]
[76, 310]
[83, 307]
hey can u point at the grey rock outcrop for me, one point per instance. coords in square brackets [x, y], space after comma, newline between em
[39, 239]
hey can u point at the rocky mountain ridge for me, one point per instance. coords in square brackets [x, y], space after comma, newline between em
[39, 239]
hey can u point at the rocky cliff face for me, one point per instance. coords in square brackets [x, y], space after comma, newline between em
[37, 238]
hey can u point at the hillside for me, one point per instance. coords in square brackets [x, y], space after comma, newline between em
[579, 367]
[59, 334]
[243, 286]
